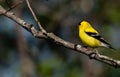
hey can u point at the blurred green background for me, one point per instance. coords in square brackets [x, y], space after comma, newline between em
[22, 55]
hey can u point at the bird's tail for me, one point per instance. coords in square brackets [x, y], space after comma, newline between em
[111, 47]
[107, 46]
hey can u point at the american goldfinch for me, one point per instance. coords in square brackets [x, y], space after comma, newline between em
[90, 37]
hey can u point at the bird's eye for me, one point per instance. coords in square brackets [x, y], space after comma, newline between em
[79, 23]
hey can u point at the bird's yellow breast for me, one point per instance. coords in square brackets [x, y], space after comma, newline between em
[88, 40]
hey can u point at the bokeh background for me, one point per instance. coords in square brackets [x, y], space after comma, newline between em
[22, 55]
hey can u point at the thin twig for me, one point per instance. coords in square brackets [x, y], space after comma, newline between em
[14, 6]
[34, 16]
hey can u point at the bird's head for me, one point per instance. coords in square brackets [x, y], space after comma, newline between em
[84, 25]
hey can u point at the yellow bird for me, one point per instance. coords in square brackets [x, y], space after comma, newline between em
[90, 37]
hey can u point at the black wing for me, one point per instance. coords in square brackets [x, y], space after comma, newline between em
[98, 37]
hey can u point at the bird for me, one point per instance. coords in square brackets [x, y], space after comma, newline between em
[91, 37]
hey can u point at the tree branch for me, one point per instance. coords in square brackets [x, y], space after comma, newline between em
[34, 16]
[14, 6]
[57, 40]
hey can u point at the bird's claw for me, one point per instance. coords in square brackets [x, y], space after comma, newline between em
[92, 55]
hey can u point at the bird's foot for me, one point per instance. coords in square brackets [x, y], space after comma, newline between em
[93, 53]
